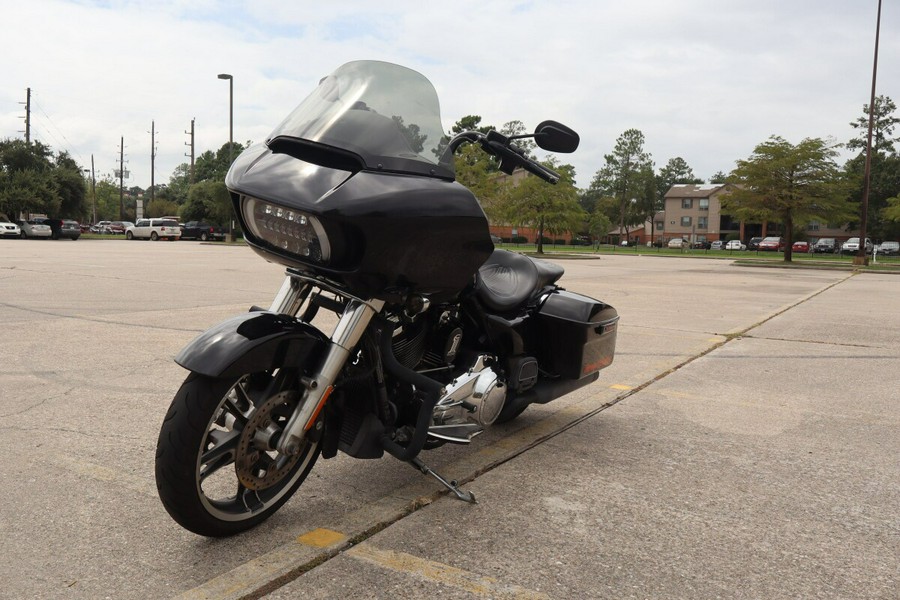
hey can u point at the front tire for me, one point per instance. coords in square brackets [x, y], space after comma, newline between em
[216, 471]
[129, 236]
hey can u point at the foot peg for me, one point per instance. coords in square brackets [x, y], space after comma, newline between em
[458, 434]
[450, 485]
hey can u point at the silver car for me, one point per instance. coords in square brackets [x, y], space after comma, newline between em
[9, 229]
[34, 228]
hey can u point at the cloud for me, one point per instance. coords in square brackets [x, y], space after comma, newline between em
[703, 80]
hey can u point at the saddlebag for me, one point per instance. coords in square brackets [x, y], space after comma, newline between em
[577, 335]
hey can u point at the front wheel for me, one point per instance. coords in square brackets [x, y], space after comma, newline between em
[129, 235]
[217, 470]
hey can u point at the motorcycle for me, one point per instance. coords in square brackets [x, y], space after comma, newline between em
[438, 335]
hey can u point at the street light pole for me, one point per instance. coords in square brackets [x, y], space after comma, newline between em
[230, 79]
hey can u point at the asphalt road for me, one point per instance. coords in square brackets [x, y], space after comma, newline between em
[743, 444]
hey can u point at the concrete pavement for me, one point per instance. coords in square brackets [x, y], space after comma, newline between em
[743, 444]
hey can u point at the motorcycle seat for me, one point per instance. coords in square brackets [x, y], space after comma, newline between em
[508, 279]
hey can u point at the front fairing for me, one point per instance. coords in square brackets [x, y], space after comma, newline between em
[352, 186]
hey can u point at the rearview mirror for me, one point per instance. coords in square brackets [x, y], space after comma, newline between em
[556, 137]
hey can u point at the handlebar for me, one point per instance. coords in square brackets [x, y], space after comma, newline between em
[510, 155]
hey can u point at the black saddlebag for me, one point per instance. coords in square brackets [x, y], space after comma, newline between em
[577, 335]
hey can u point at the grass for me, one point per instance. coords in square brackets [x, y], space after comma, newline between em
[746, 257]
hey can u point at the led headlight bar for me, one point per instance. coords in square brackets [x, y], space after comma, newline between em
[287, 229]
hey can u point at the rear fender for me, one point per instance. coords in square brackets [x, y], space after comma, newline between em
[251, 343]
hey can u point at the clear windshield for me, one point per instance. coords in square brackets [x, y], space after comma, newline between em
[386, 114]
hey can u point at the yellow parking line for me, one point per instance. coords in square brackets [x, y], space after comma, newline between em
[621, 386]
[460, 579]
[321, 538]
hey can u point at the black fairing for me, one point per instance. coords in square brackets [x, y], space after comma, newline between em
[388, 232]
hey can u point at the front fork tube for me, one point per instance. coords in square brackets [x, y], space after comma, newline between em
[349, 330]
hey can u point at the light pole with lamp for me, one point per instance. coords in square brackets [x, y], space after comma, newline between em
[230, 79]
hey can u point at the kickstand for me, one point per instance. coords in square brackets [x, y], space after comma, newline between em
[453, 486]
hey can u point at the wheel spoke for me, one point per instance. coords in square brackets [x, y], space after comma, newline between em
[221, 454]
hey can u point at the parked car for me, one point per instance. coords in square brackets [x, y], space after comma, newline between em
[200, 230]
[753, 244]
[800, 247]
[735, 245]
[851, 246]
[100, 227]
[701, 245]
[153, 229]
[64, 228]
[119, 227]
[8, 229]
[889, 248]
[825, 246]
[771, 244]
[35, 228]
[677, 243]
[717, 245]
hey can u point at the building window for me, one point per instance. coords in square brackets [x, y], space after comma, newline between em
[814, 226]
[702, 222]
[660, 225]
[686, 221]
[687, 203]
[704, 203]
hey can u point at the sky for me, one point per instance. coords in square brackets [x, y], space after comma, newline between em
[704, 80]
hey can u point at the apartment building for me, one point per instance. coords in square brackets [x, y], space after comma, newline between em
[694, 212]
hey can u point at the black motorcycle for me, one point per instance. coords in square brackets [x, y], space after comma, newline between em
[438, 334]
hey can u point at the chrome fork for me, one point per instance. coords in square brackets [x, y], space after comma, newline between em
[346, 335]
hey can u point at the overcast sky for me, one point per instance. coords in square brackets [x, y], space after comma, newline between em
[706, 80]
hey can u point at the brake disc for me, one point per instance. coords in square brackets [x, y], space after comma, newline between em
[257, 464]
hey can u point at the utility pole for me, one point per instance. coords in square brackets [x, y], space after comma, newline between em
[93, 193]
[152, 164]
[27, 104]
[122, 178]
[861, 258]
[191, 144]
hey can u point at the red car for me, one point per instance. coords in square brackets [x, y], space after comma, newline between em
[800, 247]
[771, 244]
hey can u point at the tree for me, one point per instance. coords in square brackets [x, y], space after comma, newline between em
[161, 208]
[883, 125]
[718, 177]
[892, 210]
[789, 184]
[628, 177]
[884, 179]
[32, 180]
[208, 200]
[548, 208]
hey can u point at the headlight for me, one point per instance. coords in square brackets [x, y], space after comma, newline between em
[289, 230]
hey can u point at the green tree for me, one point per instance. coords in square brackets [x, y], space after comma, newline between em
[476, 171]
[208, 200]
[33, 180]
[549, 208]
[892, 210]
[718, 177]
[789, 184]
[599, 225]
[160, 207]
[883, 125]
[628, 177]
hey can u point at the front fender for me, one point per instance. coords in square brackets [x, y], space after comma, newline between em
[251, 343]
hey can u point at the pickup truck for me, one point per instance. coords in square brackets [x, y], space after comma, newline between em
[200, 230]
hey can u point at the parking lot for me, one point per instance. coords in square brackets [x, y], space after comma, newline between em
[743, 444]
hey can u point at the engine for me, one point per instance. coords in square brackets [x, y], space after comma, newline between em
[476, 396]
